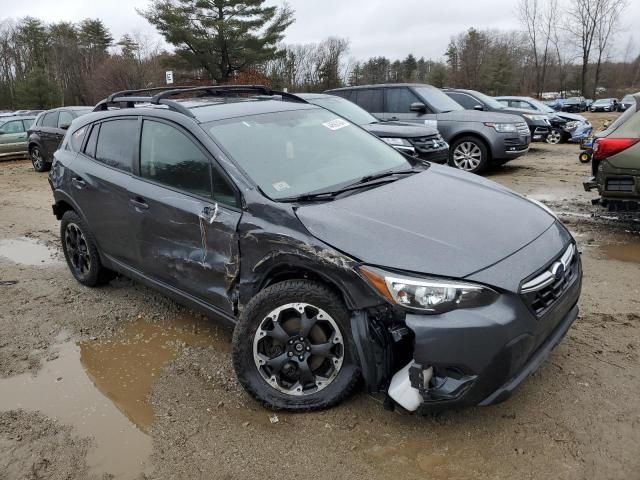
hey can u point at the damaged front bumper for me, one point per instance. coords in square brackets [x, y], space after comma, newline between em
[479, 356]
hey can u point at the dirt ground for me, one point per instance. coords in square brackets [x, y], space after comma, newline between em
[120, 382]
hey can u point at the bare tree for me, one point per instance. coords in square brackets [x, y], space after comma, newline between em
[607, 21]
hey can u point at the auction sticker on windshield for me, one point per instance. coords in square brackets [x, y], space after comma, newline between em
[280, 186]
[336, 124]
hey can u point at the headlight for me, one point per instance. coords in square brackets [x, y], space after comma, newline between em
[542, 206]
[396, 142]
[503, 127]
[571, 125]
[428, 295]
[535, 118]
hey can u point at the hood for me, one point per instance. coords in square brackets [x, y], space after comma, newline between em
[478, 116]
[399, 129]
[441, 222]
[571, 116]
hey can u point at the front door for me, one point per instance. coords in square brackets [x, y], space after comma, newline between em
[184, 216]
[398, 101]
[13, 138]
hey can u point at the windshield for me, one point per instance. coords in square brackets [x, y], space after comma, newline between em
[303, 151]
[439, 101]
[487, 100]
[602, 101]
[346, 109]
[540, 106]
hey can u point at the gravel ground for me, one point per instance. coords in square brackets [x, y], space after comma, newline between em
[168, 373]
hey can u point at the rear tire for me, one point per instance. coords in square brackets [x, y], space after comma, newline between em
[37, 159]
[81, 252]
[292, 347]
[469, 154]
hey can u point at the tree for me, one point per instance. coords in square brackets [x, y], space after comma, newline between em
[539, 22]
[39, 91]
[221, 36]
[606, 24]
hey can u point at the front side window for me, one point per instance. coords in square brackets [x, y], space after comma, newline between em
[303, 151]
[117, 143]
[14, 126]
[399, 100]
[50, 120]
[169, 157]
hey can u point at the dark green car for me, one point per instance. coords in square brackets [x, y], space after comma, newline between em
[13, 136]
[616, 162]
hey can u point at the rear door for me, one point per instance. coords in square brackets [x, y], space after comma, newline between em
[100, 179]
[13, 137]
[185, 214]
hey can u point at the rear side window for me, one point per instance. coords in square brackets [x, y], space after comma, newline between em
[117, 143]
[50, 120]
[90, 147]
[169, 157]
[399, 100]
[65, 119]
[75, 141]
[27, 123]
[370, 99]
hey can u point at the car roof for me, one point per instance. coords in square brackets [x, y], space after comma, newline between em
[517, 97]
[209, 109]
[380, 85]
[17, 117]
[314, 96]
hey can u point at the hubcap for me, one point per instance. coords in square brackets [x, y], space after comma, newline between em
[77, 249]
[467, 156]
[554, 137]
[36, 158]
[298, 349]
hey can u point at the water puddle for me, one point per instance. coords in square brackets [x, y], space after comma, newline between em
[28, 251]
[102, 388]
[626, 253]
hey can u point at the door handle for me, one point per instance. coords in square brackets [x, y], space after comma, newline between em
[393, 118]
[79, 183]
[139, 203]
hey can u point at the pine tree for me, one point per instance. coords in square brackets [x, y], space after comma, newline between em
[221, 36]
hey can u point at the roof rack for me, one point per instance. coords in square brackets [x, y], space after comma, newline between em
[128, 98]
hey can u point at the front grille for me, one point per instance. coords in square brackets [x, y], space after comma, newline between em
[620, 184]
[523, 128]
[544, 290]
[431, 143]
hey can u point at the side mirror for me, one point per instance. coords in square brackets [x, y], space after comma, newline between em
[418, 107]
[65, 126]
[478, 107]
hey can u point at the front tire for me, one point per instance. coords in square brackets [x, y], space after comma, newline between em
[555, 137]
[292, 347]
[37, 160]
[81, 252]
[469, 154]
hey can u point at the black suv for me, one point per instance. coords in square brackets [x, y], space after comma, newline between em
[47, 132]
[476, 139]
[539, 124]
[334, 256]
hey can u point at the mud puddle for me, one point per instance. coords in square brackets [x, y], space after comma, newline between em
[27, 251]
[102, 388]
[629, 252]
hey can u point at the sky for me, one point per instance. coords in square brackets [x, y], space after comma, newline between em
[374, 27]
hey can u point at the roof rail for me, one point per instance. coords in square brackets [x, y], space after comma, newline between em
[128, 99]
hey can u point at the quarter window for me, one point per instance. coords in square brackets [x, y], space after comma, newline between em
[75, 141]
[117, 143]
[64, 119]
[50, 120]
[27, 123]
[399, 100]
[169, 157]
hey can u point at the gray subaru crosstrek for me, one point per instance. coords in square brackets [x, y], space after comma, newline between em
[310, 236]
[477, 139]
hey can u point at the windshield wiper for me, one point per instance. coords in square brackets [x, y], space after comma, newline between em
[367, 180]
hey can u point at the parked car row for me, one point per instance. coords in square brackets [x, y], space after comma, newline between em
[335, 257]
